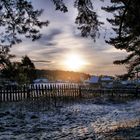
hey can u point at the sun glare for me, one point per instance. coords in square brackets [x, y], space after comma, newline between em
[74, 62]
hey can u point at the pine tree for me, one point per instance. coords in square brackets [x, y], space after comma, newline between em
[28, 68]
[19, 18]
[126, 24]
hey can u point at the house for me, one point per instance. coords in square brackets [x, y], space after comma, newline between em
[93, 81]
[106, 81]
[136, 81]
[40, 81]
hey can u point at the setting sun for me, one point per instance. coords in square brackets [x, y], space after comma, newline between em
[74, 62]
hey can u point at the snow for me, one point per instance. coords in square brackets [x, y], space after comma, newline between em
[79, 120]
[106, 79]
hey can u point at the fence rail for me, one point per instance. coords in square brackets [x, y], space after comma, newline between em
[114, 92]
[63, 91]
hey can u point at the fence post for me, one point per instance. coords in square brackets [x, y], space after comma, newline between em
[28, 92]
[80, 93]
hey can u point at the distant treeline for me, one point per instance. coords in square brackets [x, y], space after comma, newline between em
[58, 75]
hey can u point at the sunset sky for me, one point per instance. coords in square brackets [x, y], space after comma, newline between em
[61, 46]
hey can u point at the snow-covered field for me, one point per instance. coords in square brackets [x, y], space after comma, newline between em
[78, 121]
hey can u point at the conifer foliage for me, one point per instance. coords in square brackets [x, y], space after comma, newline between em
[126, 24]
[18, 17]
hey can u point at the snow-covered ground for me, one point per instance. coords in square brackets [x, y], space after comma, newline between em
[77, 121]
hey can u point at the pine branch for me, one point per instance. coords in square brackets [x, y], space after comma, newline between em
[123, 17]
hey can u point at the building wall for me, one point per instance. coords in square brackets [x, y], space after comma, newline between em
[98, 85]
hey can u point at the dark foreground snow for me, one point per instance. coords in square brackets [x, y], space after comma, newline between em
[78, 121]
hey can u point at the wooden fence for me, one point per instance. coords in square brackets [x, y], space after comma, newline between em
[62, 91]
[33, 92]
[88, 92]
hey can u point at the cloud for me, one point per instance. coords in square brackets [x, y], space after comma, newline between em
[62, 37]
[41, 61]
[52, 52]
[52, 33]
[51, 44]
[48, 36]
[114, 50]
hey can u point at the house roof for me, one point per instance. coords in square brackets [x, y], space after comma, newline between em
[106, 79]
[94, 79]
[41, 80]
